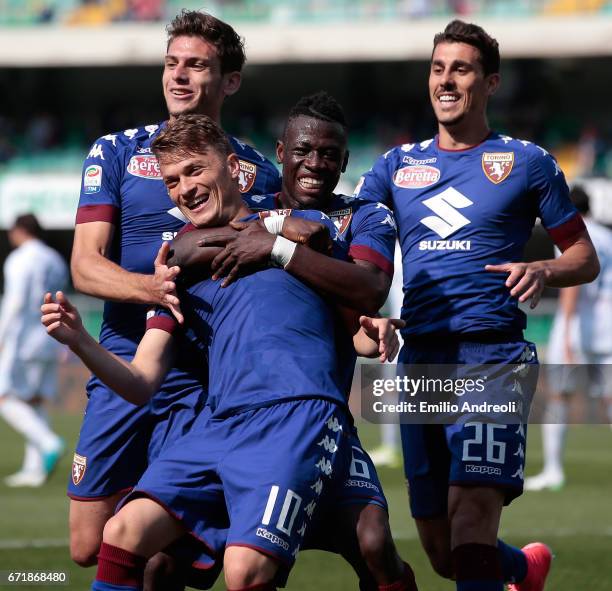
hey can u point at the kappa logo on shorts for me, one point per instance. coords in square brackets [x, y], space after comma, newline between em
[416, 177]
[248, 174]
[79, 465]
[483, 469]
[497, 165]
[262, 532]
[341, 218]
[145, 166]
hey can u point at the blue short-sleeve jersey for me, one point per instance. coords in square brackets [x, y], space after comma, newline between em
[458, 211]
[281, 331]
[122, 185]
[369, 232]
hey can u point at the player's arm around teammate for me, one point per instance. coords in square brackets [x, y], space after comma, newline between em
[313, 153]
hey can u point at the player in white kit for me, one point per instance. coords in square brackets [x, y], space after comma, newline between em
[28, 358]
[582, 333]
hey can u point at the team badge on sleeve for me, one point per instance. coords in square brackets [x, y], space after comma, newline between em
[497, 165]
[341, 219]
[92, 179]
[248, 174]
[79, 465]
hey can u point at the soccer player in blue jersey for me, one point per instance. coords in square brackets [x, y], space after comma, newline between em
[465, 203]
[124, 215]
[313, 152]
[277, 436]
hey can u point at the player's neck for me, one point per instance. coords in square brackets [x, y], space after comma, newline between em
[215, 116]
[242, 212]
[462, 137]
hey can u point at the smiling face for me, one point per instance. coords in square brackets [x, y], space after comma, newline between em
[192, 79]
[458, 88]
[204, 186]
[314, 155]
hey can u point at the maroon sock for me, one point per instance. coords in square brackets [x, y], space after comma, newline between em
[477, 562]
[117, 566]
[406, 583]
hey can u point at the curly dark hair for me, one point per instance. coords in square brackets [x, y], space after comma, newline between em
[461, 32]
[319, 105]
[229, 45]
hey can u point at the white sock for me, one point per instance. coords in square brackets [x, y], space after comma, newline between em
[25, 420]
[388, 434]
[553, 436]
[32, 459]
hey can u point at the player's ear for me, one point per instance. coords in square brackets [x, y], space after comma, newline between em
[493, 82]
[233, 165]
[280, 151]
[345, 162]
[231, 83]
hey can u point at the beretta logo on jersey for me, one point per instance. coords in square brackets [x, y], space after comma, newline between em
[79, 465]
[341, 219]
[248, 174]
[416, 177]
[145, 166]
[92, 179]
[497, 165]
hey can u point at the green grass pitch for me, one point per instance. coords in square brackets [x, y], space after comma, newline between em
[576, 522]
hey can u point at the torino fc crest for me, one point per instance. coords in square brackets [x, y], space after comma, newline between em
[341, 219]
[497, 165]
[79, 465]
[248, 174]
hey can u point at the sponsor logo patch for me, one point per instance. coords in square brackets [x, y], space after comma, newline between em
[341, 218]
[416, 177]
[145, 166]
[497, 165]
[92, 179]
[248, 174]
[445, 245]
[79, 465]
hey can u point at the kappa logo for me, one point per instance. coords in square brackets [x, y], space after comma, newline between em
[145, 166]
[497, 165]
[341, 218]
[96, 152]
[416, 177]
[248, 174]
[447, 219]
[92, 179]
[79, 466]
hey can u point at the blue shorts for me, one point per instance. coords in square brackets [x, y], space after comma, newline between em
[359, 486]
[471, 453]
[118, 439]
[254, 479]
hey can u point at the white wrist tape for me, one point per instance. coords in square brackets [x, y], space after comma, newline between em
[282, 251]
[274, 223]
